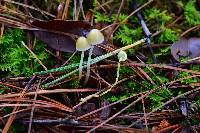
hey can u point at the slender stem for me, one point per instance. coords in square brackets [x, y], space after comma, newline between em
[69, 58]
[116, 80]
[88, 65]
[118, 68]
[80, 65]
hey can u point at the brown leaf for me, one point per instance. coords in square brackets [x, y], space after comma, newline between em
[79, 28]
[61, 35]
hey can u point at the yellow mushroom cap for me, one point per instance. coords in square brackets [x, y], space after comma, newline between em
[95, 37]
[122, 56]
[82, 44]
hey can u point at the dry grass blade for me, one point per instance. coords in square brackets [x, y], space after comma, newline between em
[40, 92]
[40, 103]
[30, 7]
[14, 23]
[33, 108]
[35, 56]
[165, 67]
[11, 86]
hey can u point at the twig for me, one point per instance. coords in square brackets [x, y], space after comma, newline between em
[117, 17]
[12, 117]
[40, 92]
[81, 8]
[145, 118]
[165, 67]
[65, 12]
[19, 111]
[33, 8]
[33, 108]
[11, 86]
[35, 56]
[190, 29]
[138, 9]
[95, 111]
[2, 30]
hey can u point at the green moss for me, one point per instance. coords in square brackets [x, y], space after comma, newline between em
[16, 59]
[192, 15]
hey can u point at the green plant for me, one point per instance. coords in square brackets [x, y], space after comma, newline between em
[192, 15]
[15, 59]
[160, 97]
[168, 36]
[126, 35]
[158, 17]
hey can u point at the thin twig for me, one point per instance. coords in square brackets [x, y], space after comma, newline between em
[65, 12]
[35, 56]
[145, 118]
[190, 29]
[33, 108]
[138, 9]
[54, 91]
[30, 7]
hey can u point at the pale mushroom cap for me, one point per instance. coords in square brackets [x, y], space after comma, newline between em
[95, 37]
[122, 56]
[82, 44]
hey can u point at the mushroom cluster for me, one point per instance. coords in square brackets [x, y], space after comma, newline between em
[94, 37]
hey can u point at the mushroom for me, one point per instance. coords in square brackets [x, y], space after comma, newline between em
[122, 56]
[94, 37]
[81, 45]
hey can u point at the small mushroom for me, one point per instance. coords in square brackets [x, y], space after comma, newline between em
[94, 37]
[81, 45]
[122, 56]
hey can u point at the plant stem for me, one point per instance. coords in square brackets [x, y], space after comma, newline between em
[88, 65]
[80, 65]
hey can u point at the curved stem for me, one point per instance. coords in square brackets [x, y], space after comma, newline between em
[116, 80]
[88, 65]
[80, 65]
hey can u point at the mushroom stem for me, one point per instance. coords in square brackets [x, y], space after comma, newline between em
[80, 65]
[116, 80]
[118, 68]
[88, 65]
